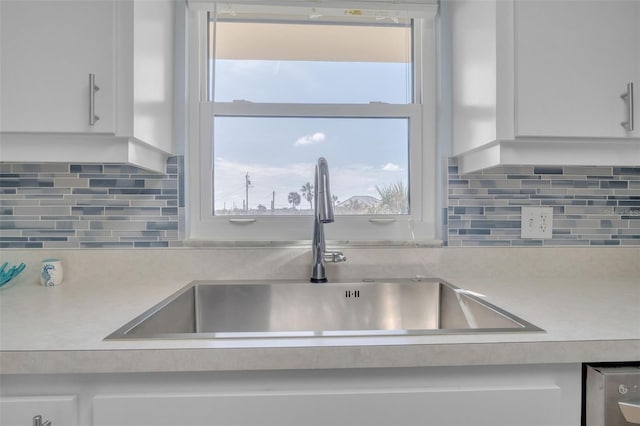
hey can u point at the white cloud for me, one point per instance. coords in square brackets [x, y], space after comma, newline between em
[315, 138]
[390, 167]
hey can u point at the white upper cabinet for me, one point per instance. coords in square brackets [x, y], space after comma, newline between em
[49, 48]
[51, 112]
[573, 61]
[540, 82]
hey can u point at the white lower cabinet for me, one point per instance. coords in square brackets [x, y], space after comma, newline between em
[485, 405]
[60, 410]
[439, 396]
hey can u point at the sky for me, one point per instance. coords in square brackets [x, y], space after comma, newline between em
[280, 153]
[281, 157]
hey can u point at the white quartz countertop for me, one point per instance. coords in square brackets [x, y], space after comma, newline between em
[588, 304]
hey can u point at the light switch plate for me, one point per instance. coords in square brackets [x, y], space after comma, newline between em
[537, 222]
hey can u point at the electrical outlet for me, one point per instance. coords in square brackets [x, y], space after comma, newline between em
[537, 222]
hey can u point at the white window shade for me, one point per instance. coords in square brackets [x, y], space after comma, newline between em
[321, 42]
[309, 61]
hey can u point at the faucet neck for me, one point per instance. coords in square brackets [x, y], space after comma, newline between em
[318, 271]
[323, 214]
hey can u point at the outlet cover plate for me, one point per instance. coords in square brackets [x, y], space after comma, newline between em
[537, 222]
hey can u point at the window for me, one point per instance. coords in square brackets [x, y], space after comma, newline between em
[280, 86]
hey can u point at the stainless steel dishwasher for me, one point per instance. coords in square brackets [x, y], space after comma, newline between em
[612, 396]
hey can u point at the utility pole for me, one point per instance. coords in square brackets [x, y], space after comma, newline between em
[273, 201]
[247, 182]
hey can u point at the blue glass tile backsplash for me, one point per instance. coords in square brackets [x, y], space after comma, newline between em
[91, 205]
[119, 206]
[592, 206]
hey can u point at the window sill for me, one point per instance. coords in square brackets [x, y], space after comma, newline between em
[307, 244]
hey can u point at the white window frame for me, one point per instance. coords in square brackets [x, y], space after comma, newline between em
[419, 226]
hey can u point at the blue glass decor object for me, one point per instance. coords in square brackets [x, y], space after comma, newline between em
[7, 275]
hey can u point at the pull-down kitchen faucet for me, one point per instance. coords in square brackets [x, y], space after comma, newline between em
[323, 214]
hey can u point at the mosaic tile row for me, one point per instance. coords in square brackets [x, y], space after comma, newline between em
[53, 205]
[592, 206]
[106, 206]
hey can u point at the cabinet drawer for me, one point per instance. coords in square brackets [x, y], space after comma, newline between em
[61, 410]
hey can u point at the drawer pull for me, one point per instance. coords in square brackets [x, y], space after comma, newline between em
[37, 421]
[630, 411]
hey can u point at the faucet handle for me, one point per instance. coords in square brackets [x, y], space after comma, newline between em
[334, 256]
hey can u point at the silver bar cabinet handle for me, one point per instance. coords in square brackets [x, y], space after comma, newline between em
[92, 100]
[628, 98]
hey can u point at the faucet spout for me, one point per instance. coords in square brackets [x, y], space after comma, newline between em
[323, 214]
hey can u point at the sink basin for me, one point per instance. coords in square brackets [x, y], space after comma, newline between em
[212, 309]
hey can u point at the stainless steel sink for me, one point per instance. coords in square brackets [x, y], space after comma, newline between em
[213, 310]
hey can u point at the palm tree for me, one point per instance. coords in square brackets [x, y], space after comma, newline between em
[294, 199]
[394, 198]
[307, 193]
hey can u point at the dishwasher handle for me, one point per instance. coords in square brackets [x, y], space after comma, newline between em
[630, 411]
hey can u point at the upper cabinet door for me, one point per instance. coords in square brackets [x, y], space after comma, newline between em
[573, 60]
[48, 50]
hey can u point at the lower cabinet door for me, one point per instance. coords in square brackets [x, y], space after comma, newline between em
[448, 406]
[61, 410]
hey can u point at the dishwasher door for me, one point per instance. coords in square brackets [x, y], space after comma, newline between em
[612, 396]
